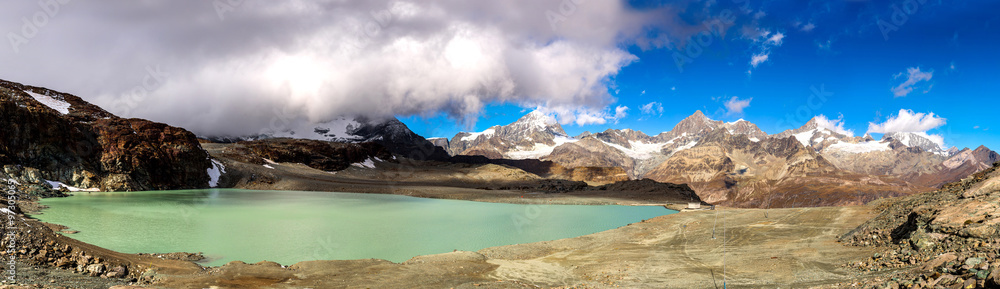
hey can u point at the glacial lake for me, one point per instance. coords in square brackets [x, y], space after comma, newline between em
[290, 226]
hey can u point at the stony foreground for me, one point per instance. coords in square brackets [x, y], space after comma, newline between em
[765, 249]
[950, 238]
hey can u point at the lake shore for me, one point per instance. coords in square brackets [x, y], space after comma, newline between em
[489, 183]
[788, 247]
[764, 248]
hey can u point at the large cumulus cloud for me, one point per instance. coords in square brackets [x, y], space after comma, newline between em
[232, 67]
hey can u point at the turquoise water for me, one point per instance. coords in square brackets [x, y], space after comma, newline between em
[288, 226]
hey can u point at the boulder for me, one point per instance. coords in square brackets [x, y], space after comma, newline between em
[95, 270]
[994, 278]
[939, 261]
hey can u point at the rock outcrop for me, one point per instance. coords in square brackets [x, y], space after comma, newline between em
[81, 145]
[321, 155]
[949, 237]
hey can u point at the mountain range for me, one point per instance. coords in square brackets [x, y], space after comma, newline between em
[737, 163]
[56, 139]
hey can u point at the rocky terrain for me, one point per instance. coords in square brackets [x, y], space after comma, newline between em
[947, 238]
[737, 164]
[530, 137]
[58, 137]
[774, 172]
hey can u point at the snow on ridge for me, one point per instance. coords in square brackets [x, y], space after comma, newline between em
[368, 164]
[337, 129]
[53, 103]
[805, 137]
[539, 150]
[475, 135]
[640, 150]
[215, 172]
[862, 147]
[684, 147]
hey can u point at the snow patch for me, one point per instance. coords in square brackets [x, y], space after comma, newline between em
[753, 139]
[215, 172]
[805, 137]
[53, 103]
[338, 129]
[57, 185]
[368, 163]
[473, 136]
[684, 147]
[539, 150]
[857, 148]
[639, 150]
[269, 166]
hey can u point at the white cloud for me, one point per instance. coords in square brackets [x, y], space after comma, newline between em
[914, 76]
[652, 108]
[825, 46]
[912, 122]
[735, 105]
[775, 39]
[836, 125]
[273, 60]
[808, 27]
[620, 112]
[764, 41]
[584, 116]
[757, 59]
[908, 121]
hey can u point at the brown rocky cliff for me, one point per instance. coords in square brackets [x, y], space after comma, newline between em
[91, 148]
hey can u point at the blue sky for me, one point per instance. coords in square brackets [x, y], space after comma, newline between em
[444, 66]
[833, 46]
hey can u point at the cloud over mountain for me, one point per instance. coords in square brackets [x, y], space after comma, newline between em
[243, 65]
[908, 121]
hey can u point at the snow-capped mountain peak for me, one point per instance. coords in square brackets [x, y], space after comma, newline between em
[922, 140]
[538, 121]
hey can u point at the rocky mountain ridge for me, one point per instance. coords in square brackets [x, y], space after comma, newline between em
[897, 164]
[54, 140]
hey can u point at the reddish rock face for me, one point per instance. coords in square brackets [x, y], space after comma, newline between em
[88, 147]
